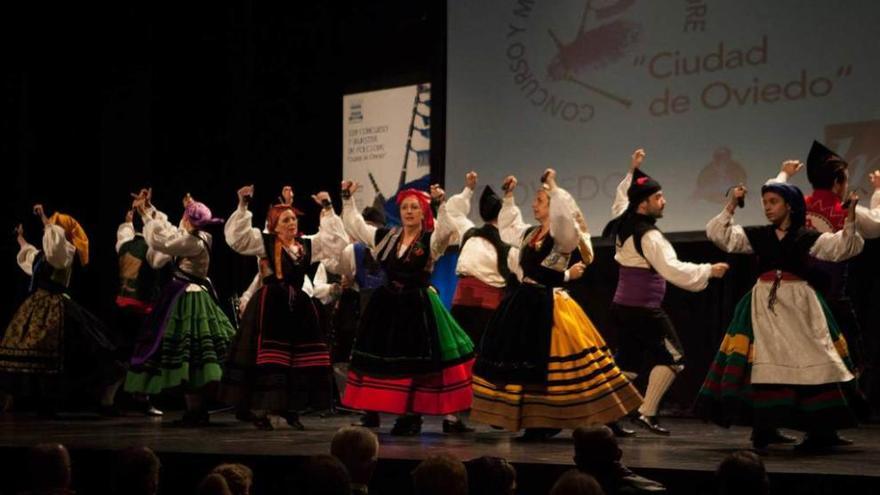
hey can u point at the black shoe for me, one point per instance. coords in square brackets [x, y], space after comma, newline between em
[193, 419]
[368, 420]
[245, 415]
[292, 419]
[407, 426]
[650, 423]
[761, 439]
[263, 423]
[822, 443]
[538, 434]
[839, 441]
[619, 431]
[456, 426]
[110, 411]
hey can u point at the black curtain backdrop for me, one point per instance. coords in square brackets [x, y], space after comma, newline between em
[204, 97]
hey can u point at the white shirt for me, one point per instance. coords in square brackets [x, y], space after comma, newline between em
[478, 257]
[659, 253]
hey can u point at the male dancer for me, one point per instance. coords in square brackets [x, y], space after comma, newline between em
[647, 338]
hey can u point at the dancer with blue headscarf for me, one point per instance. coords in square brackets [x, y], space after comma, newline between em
[783, 360]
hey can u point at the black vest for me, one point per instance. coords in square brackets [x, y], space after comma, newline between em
[490, 233]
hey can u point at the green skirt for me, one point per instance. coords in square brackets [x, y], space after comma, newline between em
[193, 347]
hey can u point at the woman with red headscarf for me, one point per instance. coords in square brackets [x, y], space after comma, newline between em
[52, 343]
[280, 362]
[185, 339]
[409, 357]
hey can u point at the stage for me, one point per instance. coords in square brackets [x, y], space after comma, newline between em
[684, 461]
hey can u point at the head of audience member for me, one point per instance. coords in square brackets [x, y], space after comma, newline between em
[49, 469]
[214, 484]
[137, 472]
[239, 477]
[440, 475]
[595, 447]
[491, 476]
[358, 449]
[575, 482]
[742, 472]
[322, 475]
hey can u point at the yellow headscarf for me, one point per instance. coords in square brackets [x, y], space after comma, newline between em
[74, 234]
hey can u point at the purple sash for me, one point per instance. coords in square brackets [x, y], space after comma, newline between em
[639, 287]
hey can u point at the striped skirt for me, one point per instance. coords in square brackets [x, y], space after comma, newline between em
[728, 397]
[410, 356]
[583, 385]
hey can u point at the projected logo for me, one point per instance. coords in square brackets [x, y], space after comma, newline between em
[356, 112]
[554, 61]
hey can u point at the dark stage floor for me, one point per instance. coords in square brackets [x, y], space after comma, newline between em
[694, 449]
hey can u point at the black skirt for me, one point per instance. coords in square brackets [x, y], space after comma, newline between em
[515, 347]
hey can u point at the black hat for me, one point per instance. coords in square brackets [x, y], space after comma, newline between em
[490, 205]
[374, 215]
[641, 188]
[822, 163]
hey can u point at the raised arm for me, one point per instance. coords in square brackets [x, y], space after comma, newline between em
[58, 251]
[868, 219]
[239, 232]
[331, 239]
[26, 252]
[458, 207]
[727, 235]
[167, 239]
[444, 228]
[843, 244]
[352, 218]
[563, 214]
[621, 200]
[510, 222]
[125, 232]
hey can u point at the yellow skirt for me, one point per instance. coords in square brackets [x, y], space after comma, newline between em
[584, 386]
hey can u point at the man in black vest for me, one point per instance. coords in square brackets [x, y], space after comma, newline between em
[483, 264]
[647, 339]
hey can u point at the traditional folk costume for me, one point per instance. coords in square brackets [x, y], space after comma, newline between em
[54, 346]
[141, 271]
[409, 357]
[484, 262]
[541, 363]
[280, 361]
[185, 339]
[647, 339]
[783, 359]
[825, 213]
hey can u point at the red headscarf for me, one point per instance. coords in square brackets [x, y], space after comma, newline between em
[274, 215]
[424, 202]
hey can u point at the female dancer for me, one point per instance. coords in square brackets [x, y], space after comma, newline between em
[185, 339]
[542, 365]
[783, 359]
[280, 361]
[409, 356]
[53, 344]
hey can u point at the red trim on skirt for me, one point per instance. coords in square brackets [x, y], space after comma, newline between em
[444, 392]
[133, 304]
[472, 292]
[771, 276]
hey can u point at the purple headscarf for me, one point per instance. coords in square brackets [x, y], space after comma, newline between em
[199, 215]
